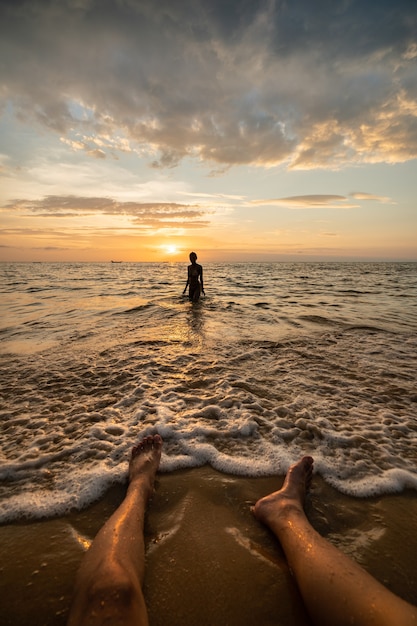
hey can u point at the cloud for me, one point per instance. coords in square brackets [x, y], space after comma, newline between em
[38, 233]
[158, 215]
[98, 154]
[213, 196]
[362, 195]
[312, 201]
[96, 146]
[411, 52]
[304, 84]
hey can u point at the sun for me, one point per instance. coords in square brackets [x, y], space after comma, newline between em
[170, 248]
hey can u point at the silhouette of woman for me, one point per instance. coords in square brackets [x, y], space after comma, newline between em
[194, 279]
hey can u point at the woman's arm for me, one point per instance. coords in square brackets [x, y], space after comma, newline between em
[201, 279]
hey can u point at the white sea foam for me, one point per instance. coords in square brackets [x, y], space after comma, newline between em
[329, 374]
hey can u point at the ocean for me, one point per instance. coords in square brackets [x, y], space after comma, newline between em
[276, 361]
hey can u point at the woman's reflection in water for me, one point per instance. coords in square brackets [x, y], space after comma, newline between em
[195, 317]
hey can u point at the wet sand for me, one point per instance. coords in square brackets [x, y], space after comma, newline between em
[208, 560]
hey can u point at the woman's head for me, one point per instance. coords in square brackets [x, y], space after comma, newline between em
[193, 257]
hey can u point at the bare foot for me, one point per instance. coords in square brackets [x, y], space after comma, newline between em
[144, 461]
[273, 508]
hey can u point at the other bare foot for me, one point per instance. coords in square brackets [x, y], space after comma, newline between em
[145, 459]
[273, 508]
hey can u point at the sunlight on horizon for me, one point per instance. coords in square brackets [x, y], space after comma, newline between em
[170, 248]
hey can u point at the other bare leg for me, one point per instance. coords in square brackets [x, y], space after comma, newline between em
[335, 589]
[108, 588]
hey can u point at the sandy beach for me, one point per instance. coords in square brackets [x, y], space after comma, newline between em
[208, 560]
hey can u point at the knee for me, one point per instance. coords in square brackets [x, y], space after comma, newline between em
[108, 594]
[114, 577]
[114, 592]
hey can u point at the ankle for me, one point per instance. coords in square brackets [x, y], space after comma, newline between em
[277, 509]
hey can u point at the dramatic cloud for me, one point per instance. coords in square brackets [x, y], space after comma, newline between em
[307, 84]
[156, 215]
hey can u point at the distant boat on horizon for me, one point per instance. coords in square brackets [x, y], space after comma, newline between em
[115, 261]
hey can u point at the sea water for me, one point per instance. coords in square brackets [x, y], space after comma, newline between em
[274, 362]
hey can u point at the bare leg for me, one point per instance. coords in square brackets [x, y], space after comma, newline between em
[335, 589]
[108, 588]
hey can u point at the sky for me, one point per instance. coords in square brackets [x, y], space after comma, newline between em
[246, 130]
